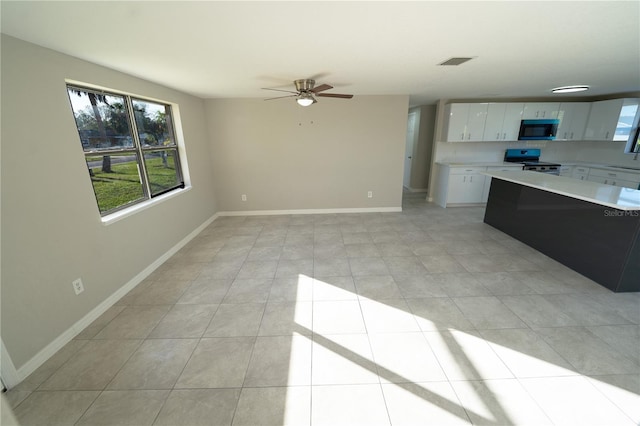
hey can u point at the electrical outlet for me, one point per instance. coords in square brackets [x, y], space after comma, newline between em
[370, 194]
[77, 286]
[244, 197]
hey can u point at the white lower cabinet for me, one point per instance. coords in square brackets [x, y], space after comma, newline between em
[566, 171]
[615, 178]
[466, 188]
[628, 184]
[580, 172]
[460, 185]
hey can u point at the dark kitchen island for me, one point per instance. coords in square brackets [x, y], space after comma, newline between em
[591, 228]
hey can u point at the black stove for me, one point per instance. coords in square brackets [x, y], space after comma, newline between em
[529, 158]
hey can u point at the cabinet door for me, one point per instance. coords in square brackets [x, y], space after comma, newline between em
[566, 171]
[599, 179]
[603, 120]
[540, 110]
[465, 189]
[579, 119]
[457, 189]
[512, 118]
[580, 173]
[476, 187]
[627, 184]
[476, 122]
[494, 122]
[503, 121]
[573, 120]
[458, 117]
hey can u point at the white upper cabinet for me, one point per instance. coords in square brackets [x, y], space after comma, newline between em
[503, 121]
[611, 120]
[573, 118]
[540, 110]
[603, 120]
[513, 115]
[495, 119]
[465, 122]
[457, 117]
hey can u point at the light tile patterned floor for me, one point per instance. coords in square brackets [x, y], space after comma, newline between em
[423, 317]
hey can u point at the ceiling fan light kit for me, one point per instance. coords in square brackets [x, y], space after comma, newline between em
[305, 91]
[305, 99]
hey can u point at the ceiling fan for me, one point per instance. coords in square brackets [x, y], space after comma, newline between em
[306, 91]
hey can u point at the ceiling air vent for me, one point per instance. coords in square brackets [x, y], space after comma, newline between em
[455, 61]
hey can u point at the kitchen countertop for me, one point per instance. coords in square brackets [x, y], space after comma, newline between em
[563, 163]
[593, 192]
[478, 164]
[602, 166]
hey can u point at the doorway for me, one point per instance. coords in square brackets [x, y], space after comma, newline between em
[408, 151]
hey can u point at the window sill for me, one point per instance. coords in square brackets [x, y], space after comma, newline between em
[129, 211]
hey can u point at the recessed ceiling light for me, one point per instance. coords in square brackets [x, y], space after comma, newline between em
[570, 89]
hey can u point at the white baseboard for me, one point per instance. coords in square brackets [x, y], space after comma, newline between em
[310, 211]
[11, 377]
[9, 374]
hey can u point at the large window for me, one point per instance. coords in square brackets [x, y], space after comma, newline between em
[129, 145]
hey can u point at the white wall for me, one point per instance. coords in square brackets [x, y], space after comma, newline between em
[325, 156]
[51, 228]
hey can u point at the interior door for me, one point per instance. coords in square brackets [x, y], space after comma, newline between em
[408, 151]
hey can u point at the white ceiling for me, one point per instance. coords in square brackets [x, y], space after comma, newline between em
[232, 49]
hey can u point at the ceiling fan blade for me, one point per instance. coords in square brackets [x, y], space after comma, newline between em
[279, 90]
[321, 88]
[280, 97]
[335, 95]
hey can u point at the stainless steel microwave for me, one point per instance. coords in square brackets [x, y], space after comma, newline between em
[538, 130]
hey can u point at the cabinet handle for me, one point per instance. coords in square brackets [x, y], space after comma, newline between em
[462, 136]
[565, 135]
[470, 178]
[612, 174]
[464, 178]
[537, 112]
[571, 135]
[606, 181]
[606, 136]
[504, 136]
[469, 136]
[498, 135]
[614, 183]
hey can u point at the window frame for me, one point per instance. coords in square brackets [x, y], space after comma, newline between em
[633, 143]
[138, 149]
